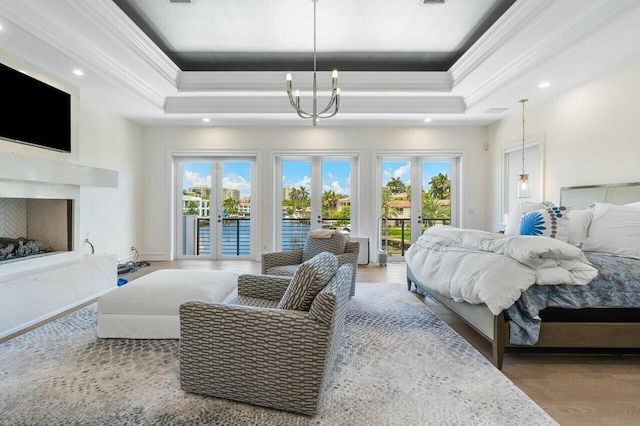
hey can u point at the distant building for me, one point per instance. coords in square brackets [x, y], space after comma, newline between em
[244, 208]
[202, 205]
[231, 193]
[286, 193]
[402, 208]
[203, 191]
[342, 203]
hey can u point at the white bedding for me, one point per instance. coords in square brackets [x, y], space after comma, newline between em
[482, 267]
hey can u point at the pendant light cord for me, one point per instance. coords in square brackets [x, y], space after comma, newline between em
[522, 101]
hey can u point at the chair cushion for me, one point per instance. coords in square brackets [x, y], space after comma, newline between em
[315, 246]
[310, 277]
[283, 271]
[324, 304]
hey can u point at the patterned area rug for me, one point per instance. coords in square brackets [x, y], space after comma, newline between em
[399, 365]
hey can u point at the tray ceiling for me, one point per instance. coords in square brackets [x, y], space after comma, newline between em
[377, 35]
[461, 63]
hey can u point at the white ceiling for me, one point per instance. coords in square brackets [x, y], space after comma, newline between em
[564, 42]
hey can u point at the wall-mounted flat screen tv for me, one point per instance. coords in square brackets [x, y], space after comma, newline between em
[34, 113]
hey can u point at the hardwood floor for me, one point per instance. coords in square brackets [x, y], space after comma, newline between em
[574, 388]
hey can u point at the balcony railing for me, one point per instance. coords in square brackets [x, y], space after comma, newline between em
[295, 230]
[236, 236]
[398, 237]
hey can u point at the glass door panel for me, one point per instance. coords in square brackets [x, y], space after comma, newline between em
[336, 195]
[296, 203]
[416, 193]
[235, 209]
[195, 224]
[396, 205]
[214, 220]
[436, 194]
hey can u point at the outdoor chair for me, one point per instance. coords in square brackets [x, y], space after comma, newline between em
[275, 344]
[285, 263]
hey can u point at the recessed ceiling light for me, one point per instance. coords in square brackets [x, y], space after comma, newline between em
[1, 28]
[78, 72]
[544, 84]
[206, 120]
[428, 120]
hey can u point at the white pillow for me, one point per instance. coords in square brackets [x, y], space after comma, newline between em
[513, 218]
[614, 229]
[636, 204]
[552, 222]
[579, 221]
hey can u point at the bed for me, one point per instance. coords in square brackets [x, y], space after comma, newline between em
[599, 309]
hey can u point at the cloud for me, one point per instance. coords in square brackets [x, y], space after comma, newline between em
[235, 181]
[305, 181]
[194, 179]
[403, 172]
[335, 187]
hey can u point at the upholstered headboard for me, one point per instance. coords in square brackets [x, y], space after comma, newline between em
[579, 197]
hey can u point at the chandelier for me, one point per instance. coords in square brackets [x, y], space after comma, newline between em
[294, 97]
[523, 185]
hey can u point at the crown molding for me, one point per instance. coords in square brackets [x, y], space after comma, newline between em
[512, 21]
[40, 22]
[353, 81]
[280, 104]
[573, 32]
[112, 20]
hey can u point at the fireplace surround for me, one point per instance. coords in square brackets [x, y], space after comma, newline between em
[34, 227]
[44, 197]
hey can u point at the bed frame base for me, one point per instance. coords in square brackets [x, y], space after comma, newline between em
[552, 334]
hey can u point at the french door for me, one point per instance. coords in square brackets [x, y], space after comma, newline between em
[316, 192]
[213, 208]
[415, 192]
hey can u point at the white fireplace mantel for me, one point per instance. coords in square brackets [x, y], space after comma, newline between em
[16, 167]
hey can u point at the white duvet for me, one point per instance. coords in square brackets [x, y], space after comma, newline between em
[483, 267]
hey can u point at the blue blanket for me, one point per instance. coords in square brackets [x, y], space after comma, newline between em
[616, 286]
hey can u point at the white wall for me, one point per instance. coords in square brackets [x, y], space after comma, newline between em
[111, 217]
[591, 136]
[160, 141]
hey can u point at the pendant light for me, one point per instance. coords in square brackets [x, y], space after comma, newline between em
[523, 179]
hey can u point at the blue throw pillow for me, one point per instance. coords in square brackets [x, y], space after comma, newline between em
[552, 222]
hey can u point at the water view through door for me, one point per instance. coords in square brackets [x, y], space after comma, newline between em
[215, 217]
[316, 193]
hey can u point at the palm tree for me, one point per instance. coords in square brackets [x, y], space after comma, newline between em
[329, 201]
[396, 185]
[230, 205]
[440, 187]
[303, 193]
[294, 195]
[432, 208]
[387, 209]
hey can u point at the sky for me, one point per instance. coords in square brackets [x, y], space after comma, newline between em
[402, 170]
[235, 175]
[336, 175]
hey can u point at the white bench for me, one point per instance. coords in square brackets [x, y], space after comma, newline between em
[148, 307]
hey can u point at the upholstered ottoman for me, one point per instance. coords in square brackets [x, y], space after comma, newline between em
[148, 307]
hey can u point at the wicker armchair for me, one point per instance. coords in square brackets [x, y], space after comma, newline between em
[285, 263]
[251, 351]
